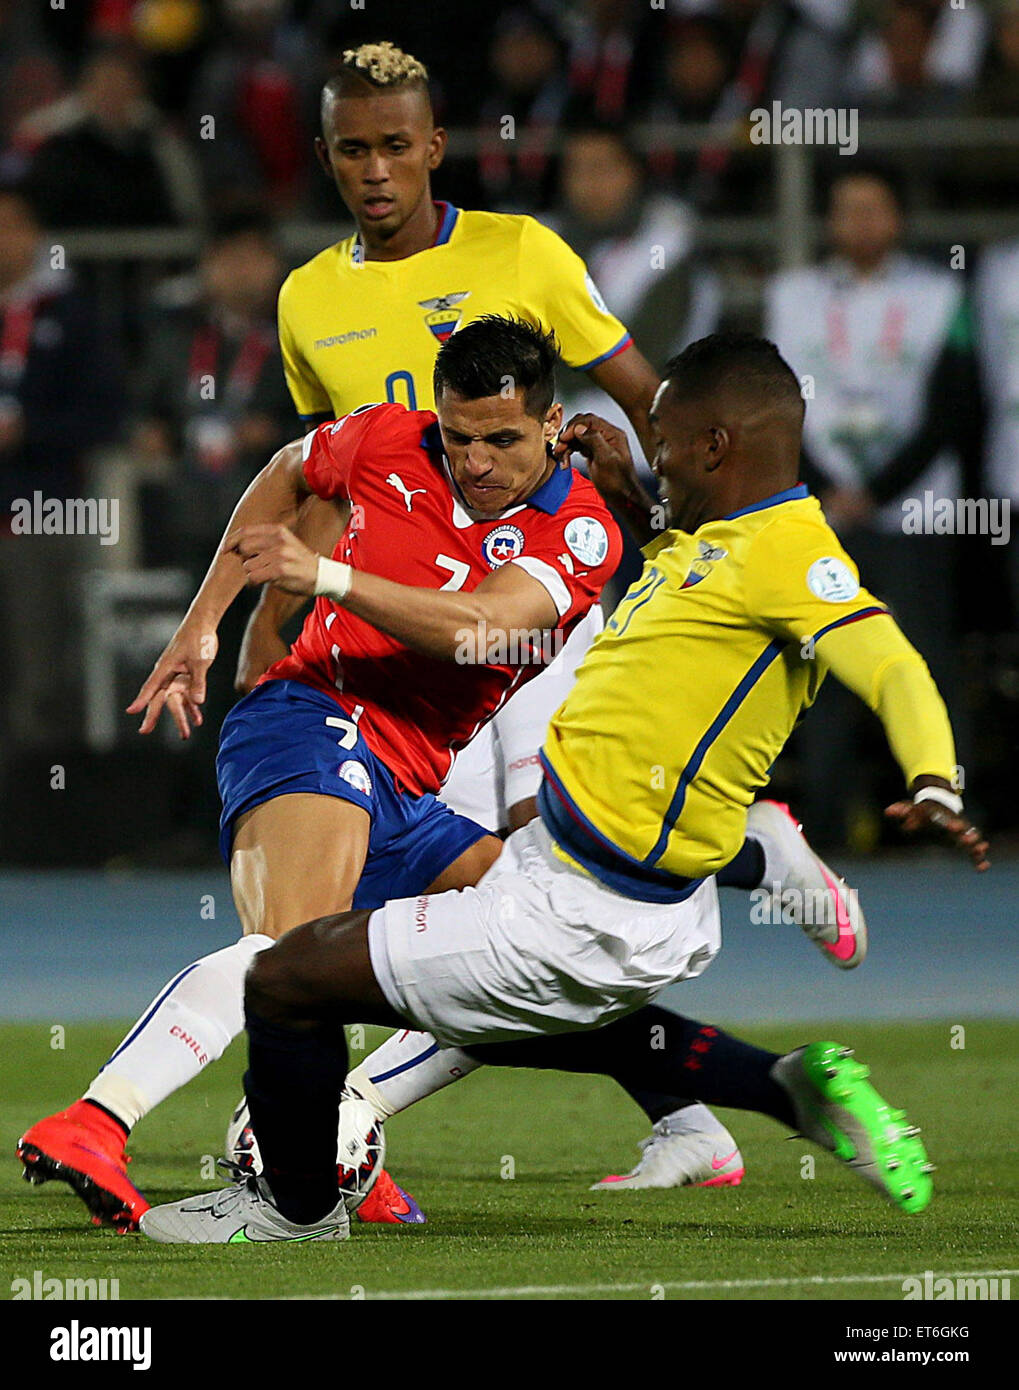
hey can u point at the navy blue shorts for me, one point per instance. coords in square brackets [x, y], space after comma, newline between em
[276, 741]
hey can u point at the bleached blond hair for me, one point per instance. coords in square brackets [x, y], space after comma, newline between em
[384, 65]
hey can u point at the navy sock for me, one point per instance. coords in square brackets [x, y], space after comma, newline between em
[293, 1084]
[655, 1050]
[746, 869]
[656, 1106]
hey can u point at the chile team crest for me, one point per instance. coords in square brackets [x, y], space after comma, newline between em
[501, 545]
[443, 317]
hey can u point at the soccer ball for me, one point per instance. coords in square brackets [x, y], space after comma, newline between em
[360, 1147]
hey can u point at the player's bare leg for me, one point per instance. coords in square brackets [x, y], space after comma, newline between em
[296, 857]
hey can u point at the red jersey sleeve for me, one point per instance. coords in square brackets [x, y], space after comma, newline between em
[574, 552]
[334, 451]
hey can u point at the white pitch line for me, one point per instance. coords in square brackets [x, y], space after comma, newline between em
[685, 1286]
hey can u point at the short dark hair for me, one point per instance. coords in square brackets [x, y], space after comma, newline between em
[740, 361]
[478, 361]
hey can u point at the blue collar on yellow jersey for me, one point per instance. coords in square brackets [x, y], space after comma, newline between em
[791, 494]
[448, 215]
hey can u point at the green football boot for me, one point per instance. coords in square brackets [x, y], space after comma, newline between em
[838, 1108]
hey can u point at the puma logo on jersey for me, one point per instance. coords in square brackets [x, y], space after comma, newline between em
[394, 480]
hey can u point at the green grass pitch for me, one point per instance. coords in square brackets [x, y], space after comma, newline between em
[540, 1233]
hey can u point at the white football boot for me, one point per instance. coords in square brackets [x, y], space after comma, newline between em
[804, 890]
[689, 1148]
[242, 1214]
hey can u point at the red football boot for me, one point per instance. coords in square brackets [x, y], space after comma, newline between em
[84, 1147]
[388, 1202]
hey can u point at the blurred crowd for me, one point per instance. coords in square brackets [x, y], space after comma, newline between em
[913, 363]
[106, 103]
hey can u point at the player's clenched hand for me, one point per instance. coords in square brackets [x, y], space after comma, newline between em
[273, 555]
[178, 679]
[610, 462]
[931, 818]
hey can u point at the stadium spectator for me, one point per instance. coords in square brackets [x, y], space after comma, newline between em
[724, 59]
[60, 398]
[107, 158]
[251, 84]
[212, 396]
[996, 296]
[881, 341]
[637, 248]
[789, 50]
[636, 244]
[612, 43]
[526, 86]
[920, 60]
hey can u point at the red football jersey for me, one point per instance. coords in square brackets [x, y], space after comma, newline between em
[408, 525]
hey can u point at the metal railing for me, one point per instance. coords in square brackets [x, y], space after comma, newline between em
[786, 236]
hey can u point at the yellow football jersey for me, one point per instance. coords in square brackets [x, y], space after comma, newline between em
[355, 332]
[688, 696]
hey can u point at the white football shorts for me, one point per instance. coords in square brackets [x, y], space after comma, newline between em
[538, 946]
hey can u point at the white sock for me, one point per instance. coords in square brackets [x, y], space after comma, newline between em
[190, 1023]
[406, 1068]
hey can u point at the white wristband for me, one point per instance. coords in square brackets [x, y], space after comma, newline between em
[333, 580]
[941, 795]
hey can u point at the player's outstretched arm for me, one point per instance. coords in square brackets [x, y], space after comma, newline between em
[610, 465]
[499, 615]
[874, 659]
[177, 680]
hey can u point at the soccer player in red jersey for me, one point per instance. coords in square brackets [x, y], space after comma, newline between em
[493, 552]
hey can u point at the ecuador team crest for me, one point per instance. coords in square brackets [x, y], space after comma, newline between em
[442, 316]
[707, 555]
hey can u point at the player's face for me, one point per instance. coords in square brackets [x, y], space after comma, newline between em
[380, 151]
[498, 454]
[679, 461]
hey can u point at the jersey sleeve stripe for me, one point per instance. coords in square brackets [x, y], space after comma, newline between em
[624, 342]
[548, 579]
[714, 729]
[849, 618]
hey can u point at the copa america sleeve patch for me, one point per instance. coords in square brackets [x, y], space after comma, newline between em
[587, 539]
[831, 579]
[596, 297]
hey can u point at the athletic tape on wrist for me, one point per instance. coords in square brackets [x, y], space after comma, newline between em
[333, 579]
[941, 795]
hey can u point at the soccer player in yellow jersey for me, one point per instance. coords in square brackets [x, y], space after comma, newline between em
[744, 607]
[362, 321]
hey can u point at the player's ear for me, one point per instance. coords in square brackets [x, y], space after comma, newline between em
[716, 443]
[437, 147]
[553, 422]
[322, 155]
